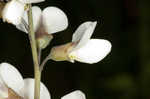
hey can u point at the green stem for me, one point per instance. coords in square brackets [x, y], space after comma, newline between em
[37, 73]
[39, 55]
[43, 63]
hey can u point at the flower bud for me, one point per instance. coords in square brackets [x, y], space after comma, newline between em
[44, 41]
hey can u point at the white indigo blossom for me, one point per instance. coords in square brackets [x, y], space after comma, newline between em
[82, 48]
[50, 20]
[14, 10]
[10, 78]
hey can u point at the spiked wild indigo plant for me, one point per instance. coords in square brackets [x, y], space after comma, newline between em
[40, 25]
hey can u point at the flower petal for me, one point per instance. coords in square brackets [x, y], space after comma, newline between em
[31, 1]
[75, 95]
[92, 52]
[13, 12]
[11, 77]
[36, 12]
[29, 90]
[83, 33]
[3, 90]
[54, 20]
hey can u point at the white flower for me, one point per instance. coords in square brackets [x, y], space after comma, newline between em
[10, 78]
[48, 21]
[75, 95]
[82, 48]
[14, 10]
[88, 50]
[45, 23]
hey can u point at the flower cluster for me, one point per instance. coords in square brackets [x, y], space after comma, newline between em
[82, 48]
[13, 86]
[51, 20]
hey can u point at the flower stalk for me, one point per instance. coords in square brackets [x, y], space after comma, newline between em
[37, 73]
[44, 62]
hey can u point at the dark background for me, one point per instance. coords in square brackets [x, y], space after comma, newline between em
[125, 75]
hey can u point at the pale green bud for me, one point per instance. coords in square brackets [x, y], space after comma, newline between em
[44, 41]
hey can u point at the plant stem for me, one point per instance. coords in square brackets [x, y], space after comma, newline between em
[37, 73]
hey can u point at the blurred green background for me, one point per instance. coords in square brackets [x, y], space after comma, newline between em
[125, 75]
